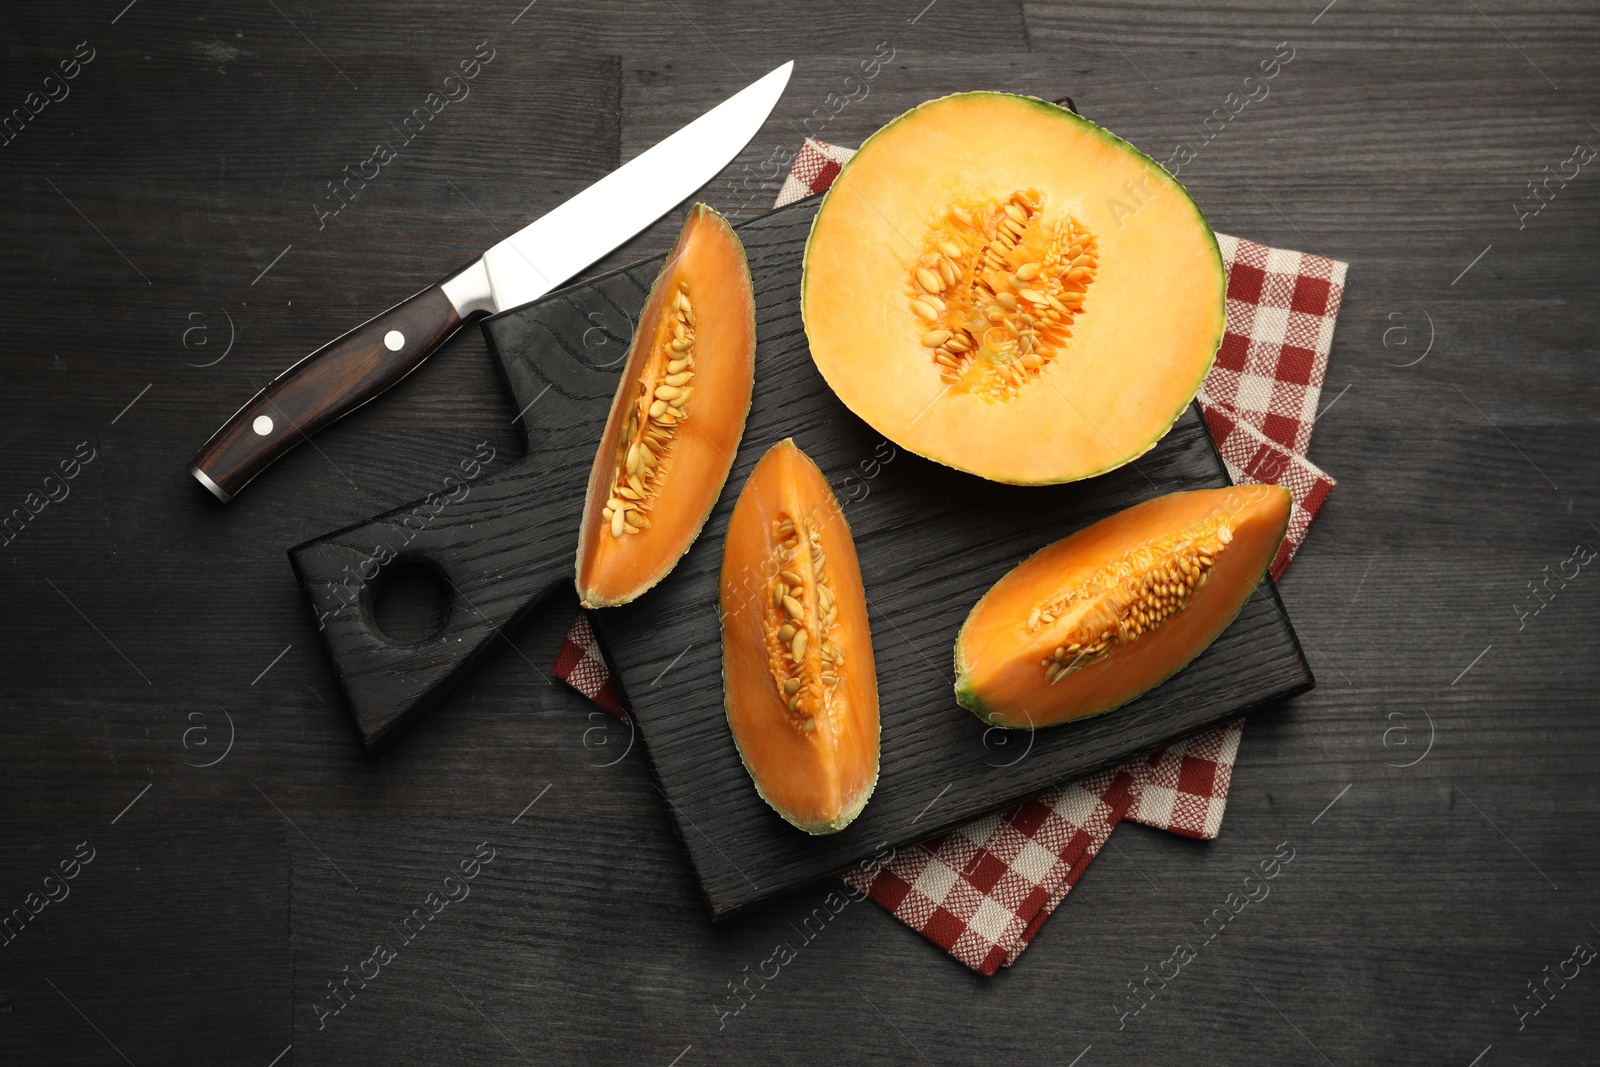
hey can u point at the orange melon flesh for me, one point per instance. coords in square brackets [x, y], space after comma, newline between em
[812, 750]
[1085, 595]
[662, 464]
[1096, 385]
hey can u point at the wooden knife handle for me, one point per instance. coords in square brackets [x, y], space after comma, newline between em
[328, 384]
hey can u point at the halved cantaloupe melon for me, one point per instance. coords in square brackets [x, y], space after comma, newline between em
[677, 417]
[999, 285]
[799, 682]
[1089, 623]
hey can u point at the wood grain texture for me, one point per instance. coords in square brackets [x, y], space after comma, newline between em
[1398, 140]
[183, 887]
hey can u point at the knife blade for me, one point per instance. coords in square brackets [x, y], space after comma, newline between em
[359, 365]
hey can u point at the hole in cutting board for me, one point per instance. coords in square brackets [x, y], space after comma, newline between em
[411, 601]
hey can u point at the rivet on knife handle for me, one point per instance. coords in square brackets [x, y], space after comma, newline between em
[329, 383]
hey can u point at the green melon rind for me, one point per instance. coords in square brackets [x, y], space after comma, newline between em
[969, 697]
[1057, 111]
[624, 381]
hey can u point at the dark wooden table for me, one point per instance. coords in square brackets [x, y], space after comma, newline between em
[166, 252]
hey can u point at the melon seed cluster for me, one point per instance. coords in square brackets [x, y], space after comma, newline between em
[1136, 593]
[802, 614]
[660, 407]
[997, 290]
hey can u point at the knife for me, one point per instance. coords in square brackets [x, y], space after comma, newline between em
[349, 371]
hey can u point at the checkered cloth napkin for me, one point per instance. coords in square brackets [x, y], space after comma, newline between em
[982, 890]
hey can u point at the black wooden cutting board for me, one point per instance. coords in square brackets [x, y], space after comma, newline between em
[930, 540]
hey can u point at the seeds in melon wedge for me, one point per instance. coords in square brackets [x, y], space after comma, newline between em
[677, 417]
[1089, 623]
[1001, 286]
[800, 687]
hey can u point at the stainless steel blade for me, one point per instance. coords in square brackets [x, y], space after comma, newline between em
[550, 250]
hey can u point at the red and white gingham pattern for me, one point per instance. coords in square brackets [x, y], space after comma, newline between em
[1251, 457]
[982, 890]
[1274, 353]
[814, 168]
[1184, 787]
[582, 665]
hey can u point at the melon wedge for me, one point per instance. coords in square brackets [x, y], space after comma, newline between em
[676, 419]
[1096, 619]
[800, 686]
